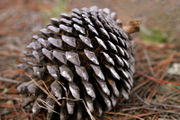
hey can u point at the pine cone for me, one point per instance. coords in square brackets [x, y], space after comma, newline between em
[81, 65]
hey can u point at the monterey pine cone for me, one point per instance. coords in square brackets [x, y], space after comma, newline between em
[84, 60]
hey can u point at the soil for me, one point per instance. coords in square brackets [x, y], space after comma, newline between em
[20, 19]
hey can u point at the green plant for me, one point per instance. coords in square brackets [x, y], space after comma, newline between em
[152, 35]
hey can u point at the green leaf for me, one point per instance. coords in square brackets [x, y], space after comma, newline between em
[5, 90]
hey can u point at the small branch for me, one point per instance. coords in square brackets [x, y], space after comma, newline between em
[141, 99]
[132, 26]
[149, 61]
[9, 80]
[124, 114]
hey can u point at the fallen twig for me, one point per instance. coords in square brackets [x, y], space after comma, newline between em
[124, 114]
[9, 80]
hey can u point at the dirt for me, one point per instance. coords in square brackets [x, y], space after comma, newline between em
[20, 19]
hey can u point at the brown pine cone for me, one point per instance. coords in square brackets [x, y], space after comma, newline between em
[82, 64]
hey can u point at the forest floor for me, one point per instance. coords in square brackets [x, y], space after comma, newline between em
[157, 88]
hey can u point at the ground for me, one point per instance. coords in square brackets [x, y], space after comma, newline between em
[156, 92]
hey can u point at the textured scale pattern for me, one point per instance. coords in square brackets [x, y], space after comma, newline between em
[86, 61]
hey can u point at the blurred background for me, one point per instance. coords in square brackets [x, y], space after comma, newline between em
[19, 19]
[160, 34]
